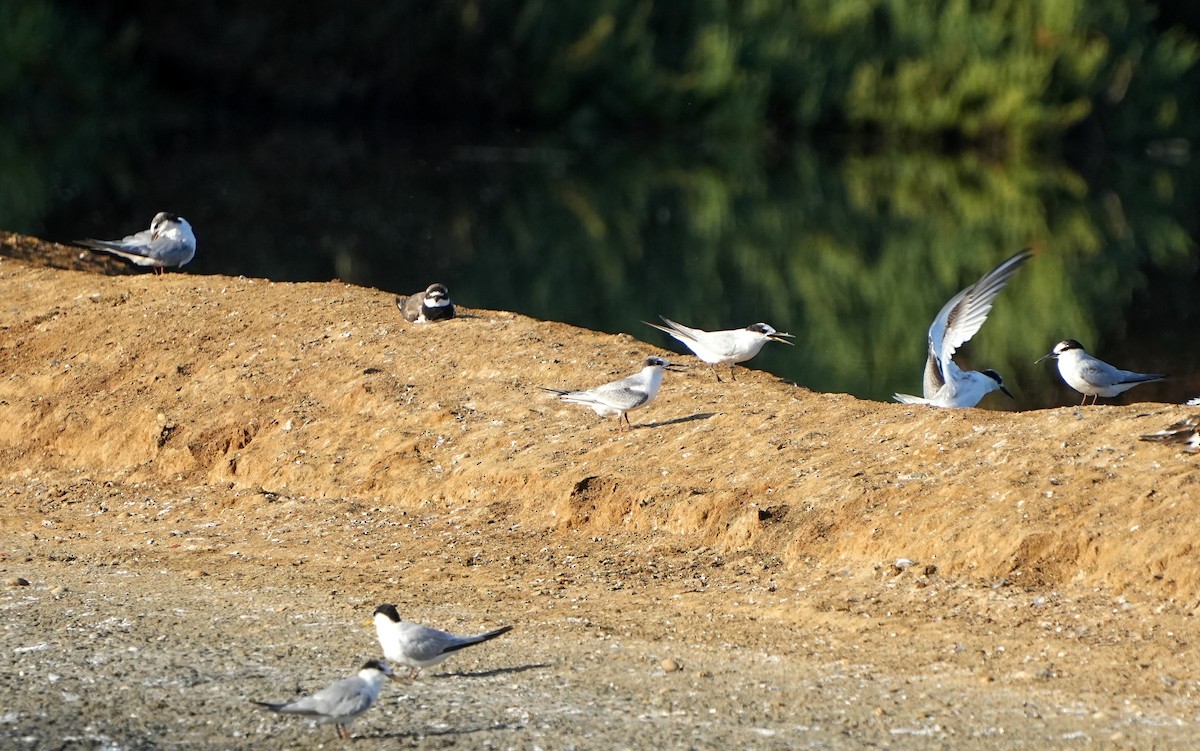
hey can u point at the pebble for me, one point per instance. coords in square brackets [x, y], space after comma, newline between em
[196, 573]
[59, 591]
[670, 665]
[16, 581]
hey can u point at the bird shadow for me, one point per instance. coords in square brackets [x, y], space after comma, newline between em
[493, 672]
[676, 421]
[419, 734]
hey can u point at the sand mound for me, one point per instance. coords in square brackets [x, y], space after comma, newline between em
[322, 391]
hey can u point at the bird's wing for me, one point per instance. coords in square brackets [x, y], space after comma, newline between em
[1127, 376]
[1180, 432]
[345, 698]
[422, 643]
[143, 250]
[961, 318]
[623, 397]
[935, 377]
[1099, 373]
[410, 308]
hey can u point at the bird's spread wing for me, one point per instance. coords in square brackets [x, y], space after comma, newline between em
[935, 378]
[961, 318]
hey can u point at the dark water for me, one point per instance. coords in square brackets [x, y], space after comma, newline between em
[854, 254]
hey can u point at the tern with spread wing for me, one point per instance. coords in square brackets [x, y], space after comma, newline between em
[945, 384]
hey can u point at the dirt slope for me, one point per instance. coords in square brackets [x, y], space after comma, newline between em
[237, 440]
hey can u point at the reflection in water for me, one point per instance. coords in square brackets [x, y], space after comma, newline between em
[853, 254]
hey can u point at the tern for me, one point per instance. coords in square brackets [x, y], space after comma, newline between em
[341, 702]
[416, 646]
[431, 305]
[620, 397]
[723, 347]
[946, 385]
[1092, 376]
[1186, 431]
[169, 242]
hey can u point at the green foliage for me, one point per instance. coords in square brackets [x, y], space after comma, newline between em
[66, 91]
[1001, 73]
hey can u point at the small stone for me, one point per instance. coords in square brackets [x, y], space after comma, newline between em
[670, 665]
[196, 573]
[59, 591]
[16, 581]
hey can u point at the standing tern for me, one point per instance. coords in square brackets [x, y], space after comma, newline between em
[416, 646]
[1186, 431]
[723, 347]
[1092, 376]
[169, 242]
[340, 702]
[619, 397]
[946, 385]
[433, 304]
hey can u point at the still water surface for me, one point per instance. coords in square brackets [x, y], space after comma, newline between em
[852, 253]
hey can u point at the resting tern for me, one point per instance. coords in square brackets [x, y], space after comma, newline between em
[619, 397]
[416, 646]
[723, 347]
[340, 702]
[1186, 431]
[946, 385]
[1092, 376]
[169, 242]
[431, 305]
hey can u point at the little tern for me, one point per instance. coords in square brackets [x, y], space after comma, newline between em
[341, 702]
[416, 646]
[620, 397]
[1092, 376]
[723, 347]
[169, 242]
[1186, 431]
[945, 384]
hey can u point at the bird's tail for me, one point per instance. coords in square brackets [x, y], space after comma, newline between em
[480, 638]
[909, 399]
[268, 705]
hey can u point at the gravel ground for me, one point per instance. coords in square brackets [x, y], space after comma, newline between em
[98, 656]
